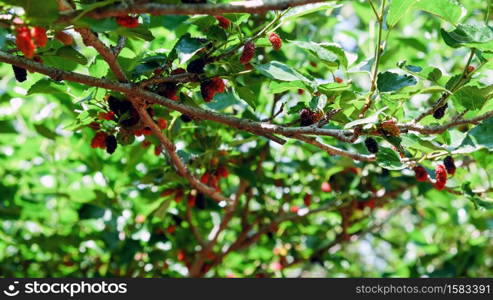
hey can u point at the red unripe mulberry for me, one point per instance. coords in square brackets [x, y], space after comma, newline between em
[326, 187]
[158, 150]
[307, 200]
[127, 21]
[181, 255]
[162, 123]
[222, 171]
[24, 42]
[179, 196]
[223, 22]
[39, 36]
[218, 85]
[98, 141]
[420, 173]
[276, 41]
[248, 52]
[209, 88]
[146, 131]
[440, 177]
[205, 178]
[106, 115]
[207, 91]
[191, 200]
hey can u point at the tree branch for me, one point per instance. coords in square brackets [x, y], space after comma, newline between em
[90, 39]
[258, 128]
[255, 6]
[175, 159]
[442, 128]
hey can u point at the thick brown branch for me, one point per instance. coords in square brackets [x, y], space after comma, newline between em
[175, 159]
[253, 6]
[259, 128]
[90, 39]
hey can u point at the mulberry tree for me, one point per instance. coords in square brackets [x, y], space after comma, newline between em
[246, 139]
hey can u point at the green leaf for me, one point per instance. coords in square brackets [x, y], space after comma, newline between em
[38, 12]
[300, 11]
[279, 71]
[138, 32]
[7, 127]
[389, 159]
[482, 134]
[330, 54]
[473, 36]
[98, 25]
[276, 87]
[47, 86]
[433, 74]
[397, 9]
[449, 10]
[71, 54]
[369, 120]
[90, 211]
[472, 97]
[414, 69]
[45, 131]
[186, 47]
[217, 34]
[415, 142]
[389, 81]
[247, 95]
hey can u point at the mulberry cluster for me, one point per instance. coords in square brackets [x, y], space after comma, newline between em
[19, 73]
[28, 39]
[449, 165]
[212, 178]
[440, 112]
[127, 21]
[276, 41]
[211, 87]
[440, 177]
[223, 22]
[222, 171]
[24, 42]
[127, 115]
[420, 173]
[248, 52]
[104, 141]
[371, 145]
[39, 36]
[309, 117]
